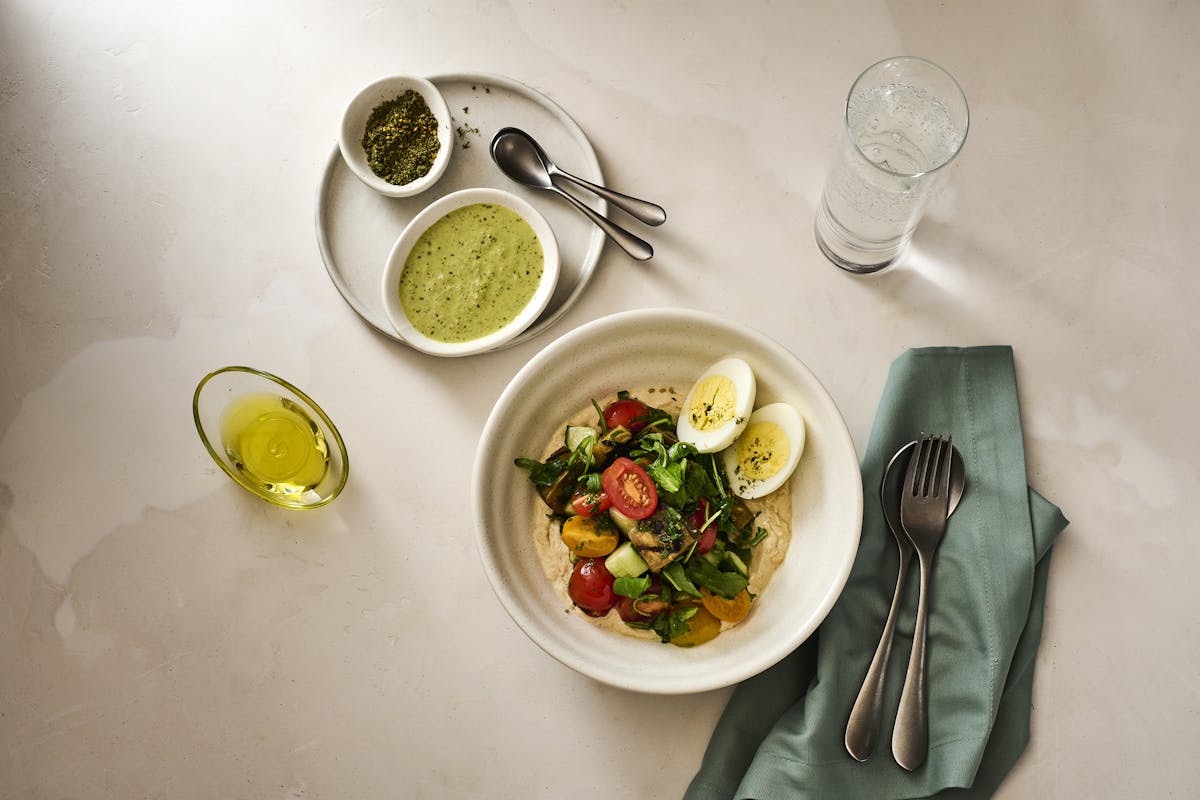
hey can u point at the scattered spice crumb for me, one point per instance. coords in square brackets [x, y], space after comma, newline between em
[464, 133]
[466, 109]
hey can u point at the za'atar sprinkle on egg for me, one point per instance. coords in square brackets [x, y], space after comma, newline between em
[718, 406]
[767, 452]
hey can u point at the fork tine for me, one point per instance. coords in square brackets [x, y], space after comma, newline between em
[933, 475]
[944, 469]
[929, 464]
[916, 467]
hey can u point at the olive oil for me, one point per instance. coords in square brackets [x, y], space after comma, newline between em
[275, 444]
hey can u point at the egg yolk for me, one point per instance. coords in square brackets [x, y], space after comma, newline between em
[762, 450]
[714, 402]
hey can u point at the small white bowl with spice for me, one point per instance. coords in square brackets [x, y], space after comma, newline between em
[470, 272]
[395, 135]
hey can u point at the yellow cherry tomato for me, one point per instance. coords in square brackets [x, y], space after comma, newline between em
[702, 627]
[731, 610]
[589, 537]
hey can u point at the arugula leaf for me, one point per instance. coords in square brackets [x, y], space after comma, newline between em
[726, 584]
[673, 624]
[543, 474]
[668, 477]
[631, 587]
[675, 575]
[669, 467]
[650, 445]
[681, 450]
[593, 483]
[655, 418]
[696, 484]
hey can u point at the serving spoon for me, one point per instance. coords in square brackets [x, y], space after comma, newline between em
[522, 159]
[866, 715]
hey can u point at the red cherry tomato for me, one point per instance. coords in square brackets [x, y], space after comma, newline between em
[622, 413]
[591, 587]
[708, 536]
[589, 504]
[630, 489]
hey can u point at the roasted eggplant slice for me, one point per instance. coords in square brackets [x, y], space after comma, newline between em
[558, 494]
[740, 514]
[662, 537]
[609, 442]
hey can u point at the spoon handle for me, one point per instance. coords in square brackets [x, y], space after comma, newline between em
[910, 737]
[631, 244]
[641, 210]
[867, 713]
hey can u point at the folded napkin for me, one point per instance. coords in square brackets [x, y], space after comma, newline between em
[781, 736]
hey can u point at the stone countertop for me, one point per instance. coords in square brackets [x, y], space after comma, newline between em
[165, 634]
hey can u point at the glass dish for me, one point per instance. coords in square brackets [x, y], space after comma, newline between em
[270, 437]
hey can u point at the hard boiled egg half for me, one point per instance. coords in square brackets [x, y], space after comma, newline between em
[718, 406]
[767, 452]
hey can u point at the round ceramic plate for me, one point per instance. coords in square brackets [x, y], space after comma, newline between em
[356, 226]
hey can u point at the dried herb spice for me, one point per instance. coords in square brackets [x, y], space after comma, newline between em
[401, 139]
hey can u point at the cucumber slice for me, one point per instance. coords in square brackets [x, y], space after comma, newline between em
[623, 522]
[625, 562]
[738, 564]
[576, 434]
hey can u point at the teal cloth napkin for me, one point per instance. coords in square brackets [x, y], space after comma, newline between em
[781, 736]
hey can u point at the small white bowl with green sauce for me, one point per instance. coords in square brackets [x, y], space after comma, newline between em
[470, 272]
[409, 135]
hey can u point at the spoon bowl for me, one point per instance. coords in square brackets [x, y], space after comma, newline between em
[523, 160]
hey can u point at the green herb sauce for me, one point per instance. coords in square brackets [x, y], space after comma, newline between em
[471, 273]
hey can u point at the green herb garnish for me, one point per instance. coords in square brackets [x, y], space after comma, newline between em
[727, 584]
[543, 474]
[631, 587]
[675, 575]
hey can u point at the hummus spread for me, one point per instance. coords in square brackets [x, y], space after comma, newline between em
[774, 513]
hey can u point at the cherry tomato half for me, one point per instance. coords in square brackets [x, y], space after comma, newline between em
[708, 536]
[622, 413]
[591, 587]
[630, 489]
[589, 504]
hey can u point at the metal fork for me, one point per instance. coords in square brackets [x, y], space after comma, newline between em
[924, 507]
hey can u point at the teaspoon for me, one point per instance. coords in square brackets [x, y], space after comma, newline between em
[865, 717]
[521, 159]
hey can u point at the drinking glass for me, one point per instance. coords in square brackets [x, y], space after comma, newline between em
[906, 120]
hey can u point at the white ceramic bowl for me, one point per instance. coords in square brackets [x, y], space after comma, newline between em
[394, 268]
[648, 347]
[354, 123]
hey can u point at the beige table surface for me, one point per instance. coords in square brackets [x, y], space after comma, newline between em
[163, 634]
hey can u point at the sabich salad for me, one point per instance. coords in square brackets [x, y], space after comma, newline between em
[673, 514]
